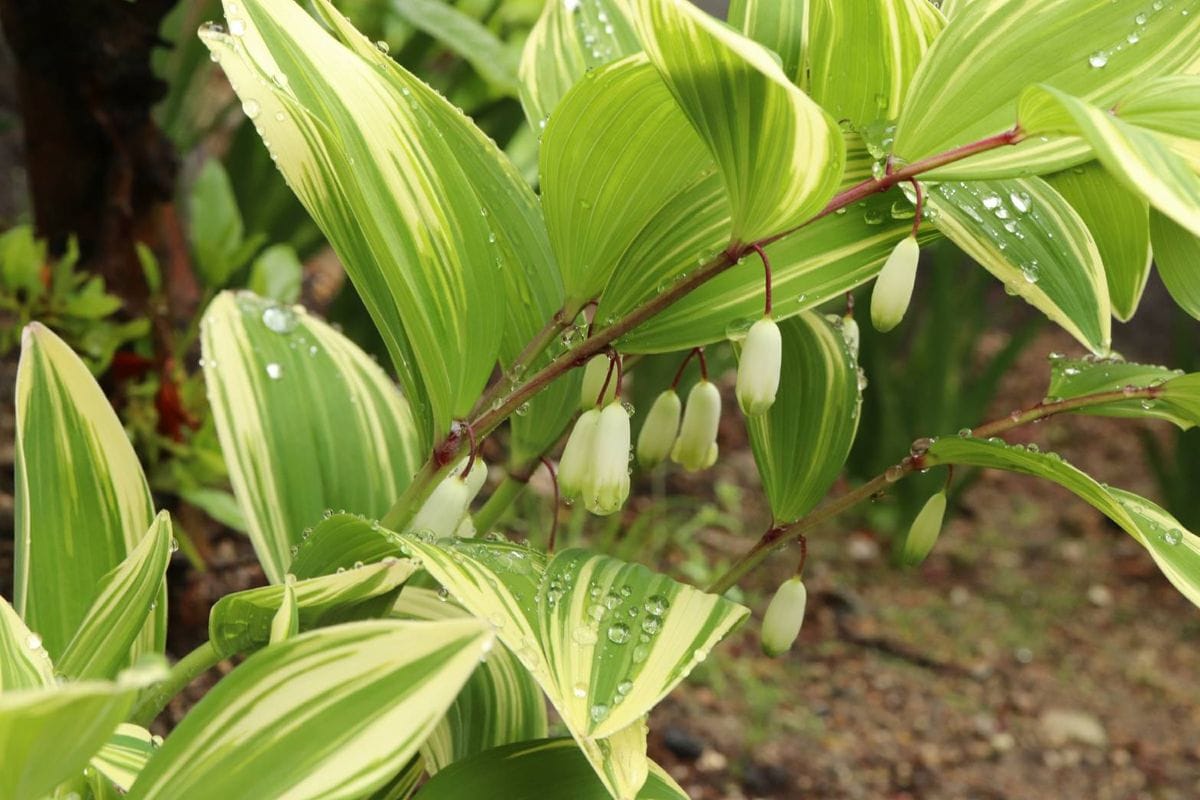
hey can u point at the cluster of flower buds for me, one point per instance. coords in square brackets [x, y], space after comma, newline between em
[446, 512]
[785, 615]
[923, 534]
[894, 286]
[595, 462]
[758, 369]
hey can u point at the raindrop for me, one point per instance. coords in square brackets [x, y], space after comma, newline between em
[1021, 201]
[33, 641]
[1098, 60]
[599, 712]
[237, 26]
[579, 691]
[657, 605]
[279, 319]
[1172, 537]
[618, 633]
[251, 108]
[274, 371]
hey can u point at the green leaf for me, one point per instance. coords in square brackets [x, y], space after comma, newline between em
[1031, 239]
[822, 260]
[780, 154]
[22, 257]
[605, 639]
[888, 39]
[568, 40]
[801, 443]
[121, 758]
[533, 770]
[24, 663]
[215, 225]
[1118, 220]
[782, 26]
[1175, 550]
[277, 274]
[499, 705]
[70, 444]
[334, 713]
[494, 60]
[286, 622]
[1178, 404]
[242, 621]
[48, 735]
[1177, 254]
[364, 145]
[1169, 105]
[620, 163]
[968, 84]
[339, 542]
[277, 377]
[1136, 157]
[126, 598]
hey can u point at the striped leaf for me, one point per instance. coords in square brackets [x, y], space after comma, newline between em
[338, 543]
[1170, 106]
[126, 599]
[306, 420]
[621, 164]
[24, 663]
[1118, 220]
[362, 143]
[286, 622]
[1177, 254]
[242, 621]
[969, 83]
[122, 757]
[819, 262]
[1031, 239]
[1174, 549]
[605, 639]
[887, 40]
[334, 713]
[569, 39]
[82, 503]
[782, 26]
[494, 60]
[780, 154]
[499, 705]
[1070, 377]
[536, 769]
[1136, 157]
[801, 443]
[47, 735]
[532, 286]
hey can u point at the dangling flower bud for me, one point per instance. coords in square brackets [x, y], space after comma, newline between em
[606, 477]
[444, 509]
[659, 430]
[758, 370]
[924, 531]
[572, 466]
[594, 375]
[851, 334]
[696, 447]
[894, 286]
[785, 615]
[476, 478]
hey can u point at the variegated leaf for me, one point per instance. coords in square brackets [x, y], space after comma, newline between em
[605, 639]
[967, 86]
[801, 443]
[243, 620]
[1179, 402]
[333, 713]
[1175, 549]
[780, 154]
[82, 503]
[1177, 255]
[1030, 238]
[126, 599]
[570, 38]
[499, 705]
[783, 27]
[24, 663]
[277, 378]
[122, 757]
[364, 149]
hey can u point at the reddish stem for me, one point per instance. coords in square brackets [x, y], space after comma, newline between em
[614, 363]
[695, 352]
[766, 278]
[474, 448]
[920, 205]
[557, 500]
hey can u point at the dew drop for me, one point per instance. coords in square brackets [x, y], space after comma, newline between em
[274, 371]
[618, 633]
[279, 319]
[251, 108]
[33, 641]
[1098, 60]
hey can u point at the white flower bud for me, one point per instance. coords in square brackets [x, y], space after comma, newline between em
[924, 531]
[572, 465]
[894, 286]
[594, 375]
[851, 334]
[476, 478]
[785, 615]
[696, 446]
[659, 430]
[444, 509]
[758, 370]
[466, 528]
[606, 477]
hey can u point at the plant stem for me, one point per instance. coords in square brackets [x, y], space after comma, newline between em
[498, 410]
[782, 535]
[491, 512]
[549, 332]
[185, 670]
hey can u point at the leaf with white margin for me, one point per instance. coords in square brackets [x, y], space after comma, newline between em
[781, 155]
[24, 663]
[121, 759]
